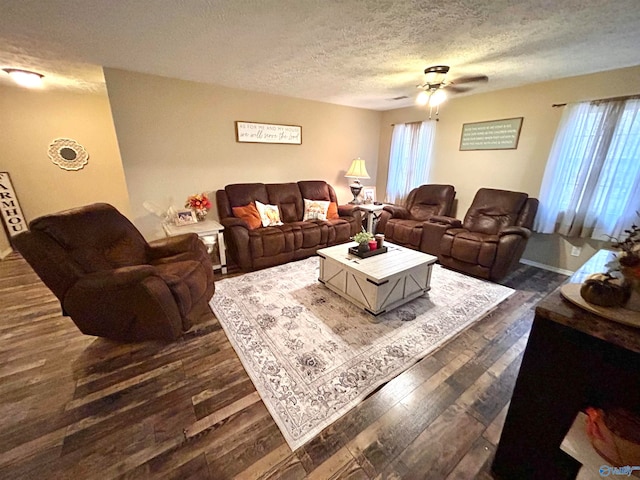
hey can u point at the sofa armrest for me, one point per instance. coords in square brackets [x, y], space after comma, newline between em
[397, 211]
[114, 279]
[450, 222]
[521, 231]
[169, 246]
[432, 234]
[230, 222]
[348, 210]
[129, 304]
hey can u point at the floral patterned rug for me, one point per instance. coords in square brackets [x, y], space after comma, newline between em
[313, 356]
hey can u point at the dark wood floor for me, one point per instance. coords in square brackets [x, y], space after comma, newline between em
[80, 407]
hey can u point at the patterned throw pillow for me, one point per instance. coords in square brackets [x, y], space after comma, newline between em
[248, 213]
[315, 209]
[269, 214]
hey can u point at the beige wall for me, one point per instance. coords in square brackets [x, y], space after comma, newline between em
[521, 169]
[178, 138]
[31, 120]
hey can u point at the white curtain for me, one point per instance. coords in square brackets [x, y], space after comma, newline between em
[409, 159]
[591, 185]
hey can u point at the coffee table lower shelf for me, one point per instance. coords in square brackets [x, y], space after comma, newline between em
[376, 284]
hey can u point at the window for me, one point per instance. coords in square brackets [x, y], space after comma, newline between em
[591, 185]
[410, 158]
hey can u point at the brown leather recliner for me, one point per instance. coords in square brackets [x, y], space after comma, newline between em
[110, 281]
[403, 224]
[492, 238]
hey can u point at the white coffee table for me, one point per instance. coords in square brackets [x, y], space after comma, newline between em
[378, 283]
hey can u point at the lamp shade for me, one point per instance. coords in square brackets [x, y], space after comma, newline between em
[357, 169]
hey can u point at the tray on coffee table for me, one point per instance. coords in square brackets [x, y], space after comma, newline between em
[370, 253]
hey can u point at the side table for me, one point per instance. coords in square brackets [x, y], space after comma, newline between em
[372, 212]
[209, 231]
[573, 359]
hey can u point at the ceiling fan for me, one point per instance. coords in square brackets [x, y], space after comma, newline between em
[433, 90]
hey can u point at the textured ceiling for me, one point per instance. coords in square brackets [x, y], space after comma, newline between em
[359, 53]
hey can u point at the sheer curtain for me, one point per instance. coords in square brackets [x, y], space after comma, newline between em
[591, 185]
[410, 158]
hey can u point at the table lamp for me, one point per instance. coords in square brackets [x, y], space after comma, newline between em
[356, 171]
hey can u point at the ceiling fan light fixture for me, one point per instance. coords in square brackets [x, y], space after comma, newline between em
[422, 98]
[435, 75]
[437, 98]
[25, 78]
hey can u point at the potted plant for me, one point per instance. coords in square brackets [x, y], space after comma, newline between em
[362, 239]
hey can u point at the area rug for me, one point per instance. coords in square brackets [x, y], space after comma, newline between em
[313, 356]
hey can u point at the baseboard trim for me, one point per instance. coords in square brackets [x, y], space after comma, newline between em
[546, 267]
[4, 254]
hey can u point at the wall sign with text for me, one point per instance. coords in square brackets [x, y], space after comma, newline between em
[493, 135]
[250, 132]
[11, 212]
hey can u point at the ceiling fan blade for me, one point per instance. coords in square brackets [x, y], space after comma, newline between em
[471, 79]
[456, 89]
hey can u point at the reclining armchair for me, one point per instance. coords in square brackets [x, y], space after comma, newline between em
[490, 240]
[110, 281]
[403, 224]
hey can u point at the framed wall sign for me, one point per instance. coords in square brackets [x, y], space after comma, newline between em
[12, 216]
[250, 132]
[493, 135]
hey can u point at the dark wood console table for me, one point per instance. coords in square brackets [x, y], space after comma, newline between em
[573, 359]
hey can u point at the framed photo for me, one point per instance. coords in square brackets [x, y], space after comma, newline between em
[185, 217]
[368, 194]
[251, 132]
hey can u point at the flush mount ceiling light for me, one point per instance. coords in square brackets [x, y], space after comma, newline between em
[25, 78]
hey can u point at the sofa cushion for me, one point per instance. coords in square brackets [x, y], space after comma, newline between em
[269, 214]
[270, 241]
[288, 199]
[240, 194]
[249, 213]
[308, 234]
[316, 209]
[404, 232]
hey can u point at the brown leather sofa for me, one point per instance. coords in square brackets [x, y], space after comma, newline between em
[110, 281]
[490, 240]
[261, 247]
[403, 224]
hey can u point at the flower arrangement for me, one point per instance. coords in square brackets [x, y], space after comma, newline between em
[627, 262]
[362, 237]
[200, 203]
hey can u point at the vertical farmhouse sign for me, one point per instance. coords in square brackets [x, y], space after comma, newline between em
[11, 213]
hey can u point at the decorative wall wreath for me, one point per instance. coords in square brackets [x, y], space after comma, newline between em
[68, 154]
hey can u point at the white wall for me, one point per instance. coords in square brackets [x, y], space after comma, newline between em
[31, 120]
[178, 138]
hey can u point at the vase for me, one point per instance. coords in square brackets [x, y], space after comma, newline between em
[363, 247]
[634, 299]
[201, 214]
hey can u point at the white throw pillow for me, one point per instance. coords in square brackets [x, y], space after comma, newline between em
[315, 209]
[269, 214]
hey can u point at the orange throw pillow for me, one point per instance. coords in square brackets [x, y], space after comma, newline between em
[248, 213]
[332, 213]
